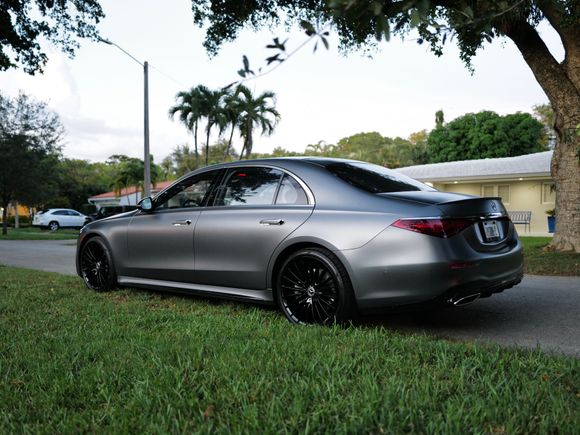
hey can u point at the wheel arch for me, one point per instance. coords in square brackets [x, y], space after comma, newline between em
[287, 250]
[84, 241]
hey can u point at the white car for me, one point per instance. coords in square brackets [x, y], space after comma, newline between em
[56, 218]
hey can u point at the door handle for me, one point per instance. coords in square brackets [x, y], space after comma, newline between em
[272, 222]
[182, 223]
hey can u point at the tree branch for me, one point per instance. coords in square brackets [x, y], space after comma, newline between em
[552, 77]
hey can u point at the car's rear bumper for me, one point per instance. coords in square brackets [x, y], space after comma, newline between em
[400, 267]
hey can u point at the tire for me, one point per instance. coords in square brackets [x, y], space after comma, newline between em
[53, 226]
[312, 287]
[97, 267]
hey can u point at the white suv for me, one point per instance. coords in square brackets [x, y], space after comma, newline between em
[55, 218]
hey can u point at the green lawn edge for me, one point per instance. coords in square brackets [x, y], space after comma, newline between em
[72, 360]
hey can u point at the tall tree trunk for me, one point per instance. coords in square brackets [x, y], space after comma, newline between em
[561, 82]
[207, 145]
[230, 141]
[5, 217]
[16, 215]
[195, 144]
[249, 141]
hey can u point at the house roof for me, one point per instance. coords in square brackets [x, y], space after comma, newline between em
[131, 190]
[528, 165]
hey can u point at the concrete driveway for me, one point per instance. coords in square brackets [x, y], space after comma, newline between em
[542, 312]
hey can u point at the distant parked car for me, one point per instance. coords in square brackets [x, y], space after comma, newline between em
[110, 210]
[56, 218]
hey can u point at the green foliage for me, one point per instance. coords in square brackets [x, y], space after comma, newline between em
[77, 180]
[485, 135]
[129, 171]
[254, 111]
[539, 261]
[237, 108]
[30, 138]
[361, 24]
[25, 23]
[75, 361]
[371, 147]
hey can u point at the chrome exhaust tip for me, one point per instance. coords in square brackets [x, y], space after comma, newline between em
[457, 301]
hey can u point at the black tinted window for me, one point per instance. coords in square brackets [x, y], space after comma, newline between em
[291, 192]
[250, 186]
[60, 213]
[190, 192]
[374, 178]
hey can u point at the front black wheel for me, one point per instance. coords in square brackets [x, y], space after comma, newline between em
[97, 268]
[313, 288]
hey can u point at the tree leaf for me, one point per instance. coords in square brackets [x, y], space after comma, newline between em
[377, 8]
[325, 42]
[308, 27]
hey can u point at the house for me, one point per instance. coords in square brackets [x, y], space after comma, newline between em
[523, 182]
[128, 196]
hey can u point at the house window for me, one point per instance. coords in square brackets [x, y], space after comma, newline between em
[548, 193]
[494, 190]
[503, 191]
[488, 190]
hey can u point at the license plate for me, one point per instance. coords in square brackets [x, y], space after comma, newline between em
[491, 230]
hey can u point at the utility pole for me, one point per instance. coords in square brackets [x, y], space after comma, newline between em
[147, 156]
[147, 160]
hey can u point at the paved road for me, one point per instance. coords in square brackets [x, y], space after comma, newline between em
[541, 312]
[48, 255]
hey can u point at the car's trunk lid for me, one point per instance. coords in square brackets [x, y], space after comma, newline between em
[491, 229]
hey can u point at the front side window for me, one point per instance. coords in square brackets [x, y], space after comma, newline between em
[190, 192]
[374, 178]
[249, 186]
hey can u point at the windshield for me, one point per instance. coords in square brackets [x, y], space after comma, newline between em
[375, 178]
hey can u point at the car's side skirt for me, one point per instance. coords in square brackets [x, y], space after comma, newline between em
[258, 296]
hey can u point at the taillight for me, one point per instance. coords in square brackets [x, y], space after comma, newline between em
[434, 227]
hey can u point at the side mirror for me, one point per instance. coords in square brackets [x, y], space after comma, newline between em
[146, 204]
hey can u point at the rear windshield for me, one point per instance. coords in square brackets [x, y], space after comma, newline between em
[375, 178]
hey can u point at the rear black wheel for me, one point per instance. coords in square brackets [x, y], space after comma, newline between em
[53, 226]
[313, 288]
[97, 267]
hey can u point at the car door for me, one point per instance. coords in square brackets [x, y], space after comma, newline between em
[160, 242]
[62, 217]
[254, 210]
[76, 219]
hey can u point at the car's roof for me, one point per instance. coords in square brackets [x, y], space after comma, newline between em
[323, 161]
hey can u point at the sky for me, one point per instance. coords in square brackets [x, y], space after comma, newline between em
[322, 96]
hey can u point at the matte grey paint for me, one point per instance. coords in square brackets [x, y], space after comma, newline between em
[227, 251]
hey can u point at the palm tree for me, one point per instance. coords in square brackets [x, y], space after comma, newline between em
[210, 103]
[231, 114]
[255, 112]
[189, 106]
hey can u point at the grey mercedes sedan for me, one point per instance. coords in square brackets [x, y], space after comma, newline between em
[323, 239]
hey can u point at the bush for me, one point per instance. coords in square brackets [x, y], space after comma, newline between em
[23, 221]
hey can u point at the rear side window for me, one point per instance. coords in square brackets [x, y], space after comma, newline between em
[374, 178]
[250, 186]
[291, 192]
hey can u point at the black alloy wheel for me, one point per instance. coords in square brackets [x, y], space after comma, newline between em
[313, 288]
[97, 267]
[53, 226]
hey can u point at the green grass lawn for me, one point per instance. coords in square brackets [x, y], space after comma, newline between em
[72, 360]
[539, 262]
[35, 233]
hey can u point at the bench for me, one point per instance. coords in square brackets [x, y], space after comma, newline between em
[521, 218]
